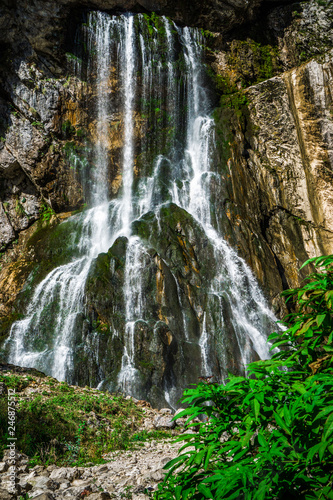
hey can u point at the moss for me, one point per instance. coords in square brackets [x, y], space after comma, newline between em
[224, 136]
[234, 101]
[6, 323]
[54, 244]
[102, 266]
[253, 62]
[46, 212]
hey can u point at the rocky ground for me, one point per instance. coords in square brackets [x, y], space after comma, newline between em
[133, 473]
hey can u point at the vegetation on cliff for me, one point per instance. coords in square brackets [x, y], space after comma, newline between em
[268, 435]
[66, 425]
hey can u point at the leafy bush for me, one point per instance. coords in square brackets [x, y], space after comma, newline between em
[268, 435]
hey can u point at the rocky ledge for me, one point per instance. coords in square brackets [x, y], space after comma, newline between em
[133, 472]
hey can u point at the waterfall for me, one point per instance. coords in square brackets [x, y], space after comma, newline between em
[128, 79]
[150, 79]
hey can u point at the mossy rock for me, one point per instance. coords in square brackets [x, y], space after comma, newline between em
[55, 243]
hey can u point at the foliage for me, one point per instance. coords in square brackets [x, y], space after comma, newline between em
[73, 57]
[67, 425]
[234, 101]
[231, 97]
[67, 128]
[207, 34]
[37, 124]
[268, 435]
[145, 435]
[253, 62]
[19, 208]
[76, 155]
[46, 212]
[154, 24]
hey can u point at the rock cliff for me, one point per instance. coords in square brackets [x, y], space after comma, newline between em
[269, 70]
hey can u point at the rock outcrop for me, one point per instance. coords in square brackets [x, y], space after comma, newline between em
[274, 140]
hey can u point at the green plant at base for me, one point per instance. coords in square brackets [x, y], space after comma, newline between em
[269, 435]
[67, 128]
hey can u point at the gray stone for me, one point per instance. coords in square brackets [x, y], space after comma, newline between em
[44, 482]
[164, 423]
[3, 467]
[166, 411]
[65, 473]
[104, 495]
[5, 495]
[43, 496]
[75, 491]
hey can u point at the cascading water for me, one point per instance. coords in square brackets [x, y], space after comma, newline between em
[163, 108]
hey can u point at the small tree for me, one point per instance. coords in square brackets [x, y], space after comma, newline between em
[268, 436]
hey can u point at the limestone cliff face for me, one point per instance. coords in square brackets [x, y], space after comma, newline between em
[279, 170]
[273, 81]
[275, 144]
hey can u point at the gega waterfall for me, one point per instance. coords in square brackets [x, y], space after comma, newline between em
[150, 295]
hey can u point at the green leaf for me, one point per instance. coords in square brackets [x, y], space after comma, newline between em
[322, 450]
[262, 441]
[320, 318]
[178, 492]
[324, 412]
[256, 409]
[299, 387]
[312, 451]
[317, 448]
[246, 439]
[328, 348]
[328, 427]
[208, 455]
[206, 491]
[281, 423]
[286, 414]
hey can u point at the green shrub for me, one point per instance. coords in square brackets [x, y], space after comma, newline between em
[46, 212]
[268, 435]
[68, 426]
